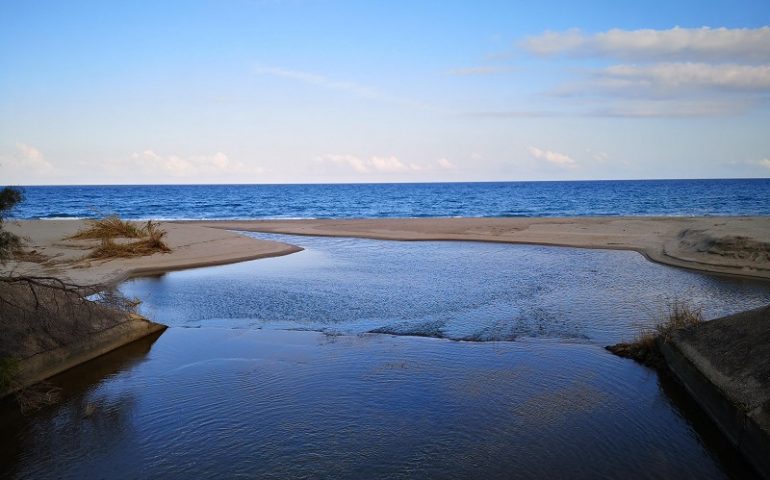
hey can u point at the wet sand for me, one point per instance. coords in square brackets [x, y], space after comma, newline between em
[726, 245]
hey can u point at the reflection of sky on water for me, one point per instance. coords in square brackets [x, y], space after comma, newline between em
[213, 402]
[459, 290]
[226, 400]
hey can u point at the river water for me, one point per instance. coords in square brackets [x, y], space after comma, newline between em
[486, 361]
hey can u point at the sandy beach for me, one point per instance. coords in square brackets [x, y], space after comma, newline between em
[726, 245]
[52, 253]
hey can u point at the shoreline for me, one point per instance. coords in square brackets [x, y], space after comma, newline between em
[738, 246]
[54, 254]
[734, 246]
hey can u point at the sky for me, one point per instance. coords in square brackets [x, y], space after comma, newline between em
[323, 91]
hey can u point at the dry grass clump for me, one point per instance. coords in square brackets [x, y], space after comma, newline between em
[644, 348]
[108, 227]
[680, 316]
[151, 242]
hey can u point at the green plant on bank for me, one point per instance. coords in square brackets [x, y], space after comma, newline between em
[9, 370]
[644, 348]
[9, 198]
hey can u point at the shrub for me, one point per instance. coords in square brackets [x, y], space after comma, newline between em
[9, 198]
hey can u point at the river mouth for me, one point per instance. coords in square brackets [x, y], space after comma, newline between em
[280, 376]
[456, 290]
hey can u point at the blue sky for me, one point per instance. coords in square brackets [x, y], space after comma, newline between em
[300, 91]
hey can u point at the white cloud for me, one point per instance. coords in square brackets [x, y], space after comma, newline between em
[27, 160]
[674, 77]
[554, 158]
[378, 164]
[390, 164]
[482, 70]
[765, 162]
[368, 165]
[705, 44]
[177, 166]
[669, 90]
[679, 72]
[351, 161]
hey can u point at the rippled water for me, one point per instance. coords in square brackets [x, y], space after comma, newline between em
[240, 396]
[492, 199]
[457, 290]
[223, 403]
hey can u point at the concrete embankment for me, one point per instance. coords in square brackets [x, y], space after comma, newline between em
[725, 365]
[43, 365]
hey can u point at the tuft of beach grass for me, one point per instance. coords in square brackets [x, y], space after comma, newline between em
[644, 348]
[149, 238]
[150, 242]
[108, 227]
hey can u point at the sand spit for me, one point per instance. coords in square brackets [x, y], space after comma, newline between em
[50, 252]
[50, 342]
[726, 245]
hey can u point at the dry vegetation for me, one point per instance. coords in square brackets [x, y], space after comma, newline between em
[149, 238]
[644, 348]
[38, 314]
[108, 227]
[44, 313]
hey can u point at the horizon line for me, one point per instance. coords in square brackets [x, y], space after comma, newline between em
[379, 183]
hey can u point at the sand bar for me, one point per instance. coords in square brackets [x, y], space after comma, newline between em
[726, 245]
[54, 254]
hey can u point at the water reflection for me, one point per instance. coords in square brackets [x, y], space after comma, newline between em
[457, 290]
[88, 418]
[260, 401]
[272, 404]
[714, 441]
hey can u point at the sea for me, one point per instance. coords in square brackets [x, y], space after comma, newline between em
[493, 199]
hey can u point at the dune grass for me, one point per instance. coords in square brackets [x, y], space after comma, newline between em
[644, 348]
[108, 227]
[149, 238]
[680, 316]
[150, 242]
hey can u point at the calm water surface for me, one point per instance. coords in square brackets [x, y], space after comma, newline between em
[249, 391]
